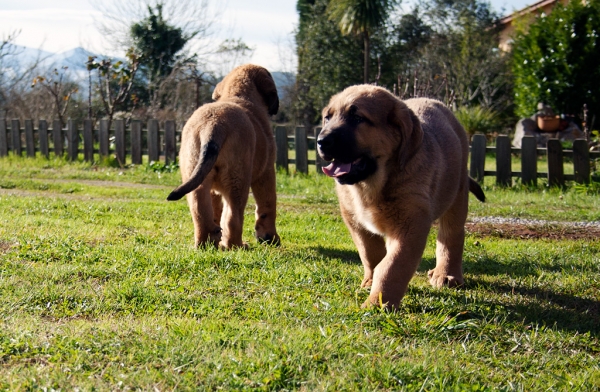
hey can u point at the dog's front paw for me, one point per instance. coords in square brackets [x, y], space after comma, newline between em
[440, 280]
[379, 303]
[230, 246]
[367, 282]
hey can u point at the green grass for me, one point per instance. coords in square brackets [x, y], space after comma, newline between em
[101, 289]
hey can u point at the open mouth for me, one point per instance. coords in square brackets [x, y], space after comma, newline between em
[351, 173]
[336, 169]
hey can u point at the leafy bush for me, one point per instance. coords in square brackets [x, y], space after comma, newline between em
[161, 167]
[555, 60]
[477, 119]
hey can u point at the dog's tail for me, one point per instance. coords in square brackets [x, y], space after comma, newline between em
[475, 189]
[208, 156]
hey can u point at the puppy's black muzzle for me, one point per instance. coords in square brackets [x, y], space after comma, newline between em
[337, 143]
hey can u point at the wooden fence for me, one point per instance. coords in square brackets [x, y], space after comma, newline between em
[529, 153]
[160, 143]
[135, 142]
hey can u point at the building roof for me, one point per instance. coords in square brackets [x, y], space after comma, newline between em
[527, 10]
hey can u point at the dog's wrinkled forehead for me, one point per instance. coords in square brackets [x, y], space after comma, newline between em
[361, 100]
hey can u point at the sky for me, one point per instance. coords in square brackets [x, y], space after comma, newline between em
[264, 25]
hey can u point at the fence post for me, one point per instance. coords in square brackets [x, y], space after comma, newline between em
[478, 157]
[318, 160]
[120, 141]
[88, 140]
[282, 147]
[529, 161]
[73, 139]
[503, 164]
[57, 138]
[556, 175]
[301, 147]
[136, 142]
[15, 131]
[104, 138]
[170, 153]
[581, 161]
[43, 134]
[29, 140]
[3, 138]
[153, 141]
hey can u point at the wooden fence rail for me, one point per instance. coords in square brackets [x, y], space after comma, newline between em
[159, 144]
[529, 152]
[135, 141]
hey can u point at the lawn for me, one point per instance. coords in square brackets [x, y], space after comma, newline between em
[102, 289]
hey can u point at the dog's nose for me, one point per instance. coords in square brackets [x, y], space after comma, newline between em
[325, 142]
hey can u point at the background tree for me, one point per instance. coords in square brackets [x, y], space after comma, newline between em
[158, 44]
[360, 17]
[115, 81]
[169, 36]
[327, 60]
[443, 49]
[194, 18]
[232, 52]
[59, 89]
[556, 60]
[15, 78]
[450, 52]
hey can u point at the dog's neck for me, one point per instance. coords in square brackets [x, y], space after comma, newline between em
[370, 189]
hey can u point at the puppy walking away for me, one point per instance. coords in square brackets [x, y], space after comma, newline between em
[227, 147]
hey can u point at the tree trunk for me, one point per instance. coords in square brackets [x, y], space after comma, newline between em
[366, 60]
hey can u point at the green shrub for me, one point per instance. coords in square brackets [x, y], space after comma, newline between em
[477, 119]
[555, 60]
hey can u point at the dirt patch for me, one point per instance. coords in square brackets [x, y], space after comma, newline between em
[5, 246]
[534, 232]
[103, 183]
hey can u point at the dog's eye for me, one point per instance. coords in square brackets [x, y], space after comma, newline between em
[326, 118]
[358, 118]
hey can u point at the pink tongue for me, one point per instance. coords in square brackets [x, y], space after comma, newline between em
[336, 170]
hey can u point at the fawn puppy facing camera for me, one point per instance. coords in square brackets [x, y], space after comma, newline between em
[399, 166]
[228, 148]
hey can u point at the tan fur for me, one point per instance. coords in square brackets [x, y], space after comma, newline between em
[421, 154]
[227, 147]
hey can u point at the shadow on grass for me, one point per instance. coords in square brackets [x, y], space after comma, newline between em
[547, 307]
[531, 305]
[346, 256]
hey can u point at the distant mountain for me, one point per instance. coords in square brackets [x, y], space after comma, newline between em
[283, 81]
[16, 58]
[75, 59]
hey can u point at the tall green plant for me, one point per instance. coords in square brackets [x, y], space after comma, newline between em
[157, 42]
[360, 17]
[476, 119]
[327, 60]
[556, 60]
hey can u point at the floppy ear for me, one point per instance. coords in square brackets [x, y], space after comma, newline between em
[266, 87]
[217, 92]
[411, 133]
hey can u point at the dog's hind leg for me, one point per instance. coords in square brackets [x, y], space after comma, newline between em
[205, 229]
[232, 218]
[450, 244]
[264, 192]
[217, 204]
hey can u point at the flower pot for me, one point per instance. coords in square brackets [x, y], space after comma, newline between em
[548, 124]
